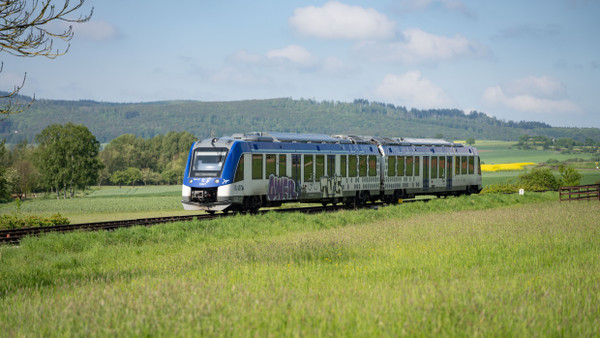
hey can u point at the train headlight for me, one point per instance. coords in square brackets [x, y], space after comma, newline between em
[191, 181]
[217, 180]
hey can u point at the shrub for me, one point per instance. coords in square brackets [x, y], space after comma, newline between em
[539, 179]
[568, 176]
[17, 221]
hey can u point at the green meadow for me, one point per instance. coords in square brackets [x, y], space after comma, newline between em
[480, 265]
[492, 152]
[490, 265]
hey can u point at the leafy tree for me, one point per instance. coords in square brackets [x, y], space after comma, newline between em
[119, 178]
[67, 157]
[130, 176]
[569, 176]
[470, 141]
[171, 176]
[134, 175]
[149, 176]
[27, 31]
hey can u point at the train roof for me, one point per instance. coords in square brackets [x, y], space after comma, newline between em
[340, 139]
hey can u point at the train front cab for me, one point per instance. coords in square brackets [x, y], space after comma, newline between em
[208, 176]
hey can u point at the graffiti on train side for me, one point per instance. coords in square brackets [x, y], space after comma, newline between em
[331, 186]
[282, 189]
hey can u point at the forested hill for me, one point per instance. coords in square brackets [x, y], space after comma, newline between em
[109, 120]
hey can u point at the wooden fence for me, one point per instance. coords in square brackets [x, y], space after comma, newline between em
[580, 192]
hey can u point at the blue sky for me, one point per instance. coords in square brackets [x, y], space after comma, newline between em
[516, 60]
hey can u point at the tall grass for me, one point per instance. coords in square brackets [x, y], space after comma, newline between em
[485, 265]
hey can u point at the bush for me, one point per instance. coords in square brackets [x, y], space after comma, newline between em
[539, 179]
[568, 176]
[17, 221]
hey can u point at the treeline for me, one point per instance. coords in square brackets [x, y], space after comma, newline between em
[563, 145]
[110, 120]
[129, 159]
[67, 158]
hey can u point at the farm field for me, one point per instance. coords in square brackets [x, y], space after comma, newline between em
[106, 204]
[491, 265]
[493, 152]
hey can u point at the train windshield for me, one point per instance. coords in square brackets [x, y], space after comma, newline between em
[208, 162]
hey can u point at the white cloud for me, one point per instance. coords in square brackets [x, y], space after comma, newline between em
[294, 54]
[243, 56]
[418, 47]
[412, 90]
[336, 20]
[543, 95]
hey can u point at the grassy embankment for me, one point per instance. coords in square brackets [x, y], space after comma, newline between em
[479, 265]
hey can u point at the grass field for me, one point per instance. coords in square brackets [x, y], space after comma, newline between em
[107, 203]
[494, 265]
[493, 152]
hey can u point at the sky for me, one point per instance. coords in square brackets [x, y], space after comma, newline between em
[532, 60]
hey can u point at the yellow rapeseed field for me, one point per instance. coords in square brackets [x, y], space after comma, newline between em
[505, 166]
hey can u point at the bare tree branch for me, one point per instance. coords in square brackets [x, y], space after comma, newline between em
[25, 31]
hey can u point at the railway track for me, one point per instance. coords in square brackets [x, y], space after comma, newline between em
[13, 236]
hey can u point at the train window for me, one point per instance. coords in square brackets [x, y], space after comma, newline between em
[457, 165]
[409, 166]
[362, 165]
[416, 165]
[208, 162]
[442, 166]
[320, 167]
[401, 165]
[434, 167]
[308, 168]
[478, 166]
[271, 165]
[352, 166]
[343, 171]
[257, 166]
[239, 172]
[391, 166]
[331, 165]
[296, 165]
[372, 165]
[450, 167]
[425, 167]
[471, 165]
[463, 165]
[282, 166]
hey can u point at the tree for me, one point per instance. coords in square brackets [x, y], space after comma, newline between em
[67, 157]
[27, 31]
[4, 184]
[569, 177]
[470, 141]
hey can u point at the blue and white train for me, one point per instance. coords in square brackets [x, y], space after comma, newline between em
[245, 172]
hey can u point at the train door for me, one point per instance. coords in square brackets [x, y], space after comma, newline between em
[449, 170]
[425, 173]
[296, 171]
